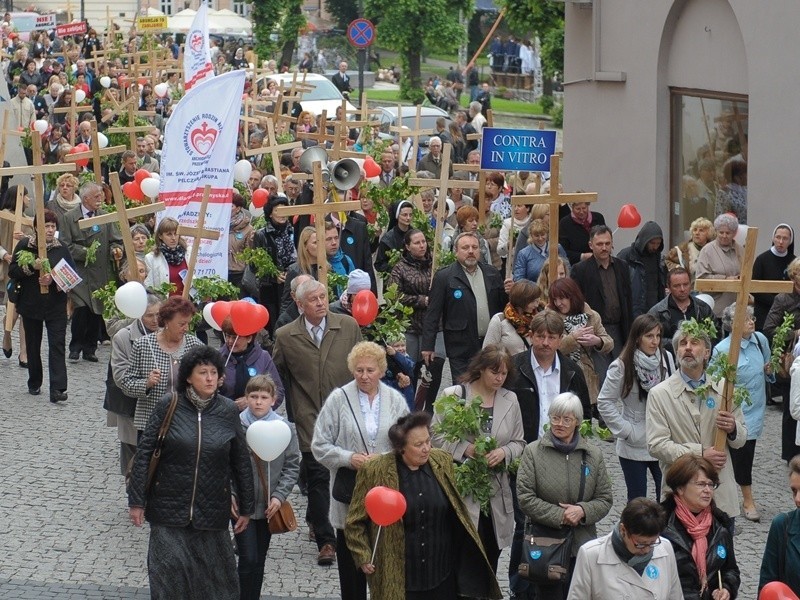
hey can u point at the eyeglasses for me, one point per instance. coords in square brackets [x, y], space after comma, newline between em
[556, 420]
[643, 546]
[705, 484]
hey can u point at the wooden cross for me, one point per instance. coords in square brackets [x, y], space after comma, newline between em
[442, 183]
[322, 137]
[274, 149]
[554, 199]
[319, 210]
[94, 153]
[412, 133]
[4, 137]
[479, 184]
[131, 108]
[742, 287]
[122, 217]
[72, 111]
[18, 220]
[198, 234]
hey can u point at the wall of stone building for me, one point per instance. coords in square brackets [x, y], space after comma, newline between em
[617, 133]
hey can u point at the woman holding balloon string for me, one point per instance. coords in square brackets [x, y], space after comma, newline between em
[275, 460]
[413, 535]
[245, 359]
[351, 429]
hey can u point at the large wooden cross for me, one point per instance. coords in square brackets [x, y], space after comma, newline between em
[442, 183]
[122, 216]
[742, 287]
[129, 105]
[554, 199]
[198, 233]
[94, 153]
[319, 210]
[410, 133]
[19, 219]
[72, 114]
[37, 172]
[274, 149]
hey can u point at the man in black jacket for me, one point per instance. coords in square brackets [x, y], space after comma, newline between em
[341, 80]
[354, 242]
[542, 373]
[606, 285]
[464, 296]
[678, 306]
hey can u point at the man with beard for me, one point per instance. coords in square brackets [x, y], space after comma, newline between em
[684, 414]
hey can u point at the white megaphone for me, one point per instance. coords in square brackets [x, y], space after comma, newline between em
[345, 173]
[312, 155]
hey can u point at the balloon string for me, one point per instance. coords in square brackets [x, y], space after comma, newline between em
[149, 343]
[231, 349]
[375, 549]
[269, 478]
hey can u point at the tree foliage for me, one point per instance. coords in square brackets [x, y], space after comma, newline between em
[409, 26]
[282, 17]
[546, 20]
[344, 12]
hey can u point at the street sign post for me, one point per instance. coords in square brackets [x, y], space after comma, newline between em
[361, 35]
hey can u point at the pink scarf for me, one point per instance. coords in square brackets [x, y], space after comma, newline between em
[697, 526]
[586, 223]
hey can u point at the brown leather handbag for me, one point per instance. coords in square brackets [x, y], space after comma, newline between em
[156, 456]
[284, 520]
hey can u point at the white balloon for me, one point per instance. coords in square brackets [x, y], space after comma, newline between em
[209, 319]
[74, 68]
[741, 234]
[105, 81]
[80, 96]
[40, 126]
[268, 438]
[150, 187]
[242, 170]
[161, 90]
[707, 299]
[102, 140]
[131, 300]
[155, 176]
[255, 212]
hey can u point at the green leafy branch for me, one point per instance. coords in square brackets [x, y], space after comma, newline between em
[91, 253]
[335, 283]
[26, 258]
[587, 429]
[699, 329]
[214, 287]
[106, 295]
[719, 368]
[260, 260]
[779, 341]
[393, 318]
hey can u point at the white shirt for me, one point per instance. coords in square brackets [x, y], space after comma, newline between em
[321, 325]
[372, 416]
[549, 385]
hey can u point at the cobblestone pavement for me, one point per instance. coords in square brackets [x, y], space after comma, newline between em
[64, 531]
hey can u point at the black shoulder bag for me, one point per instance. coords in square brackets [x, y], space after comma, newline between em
[345, 480]
[547, 551]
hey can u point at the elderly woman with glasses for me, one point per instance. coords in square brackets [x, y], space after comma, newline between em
[630, 559]
[752, 372]
[721, 259]
[562, 481]
[699, 532]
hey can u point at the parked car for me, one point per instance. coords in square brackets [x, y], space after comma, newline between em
[408, 116]
[324, 95]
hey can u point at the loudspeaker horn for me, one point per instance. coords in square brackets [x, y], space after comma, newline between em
[345, 174]
[312, 155]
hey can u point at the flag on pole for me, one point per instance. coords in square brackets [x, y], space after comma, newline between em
[197, 65]
[199, 150]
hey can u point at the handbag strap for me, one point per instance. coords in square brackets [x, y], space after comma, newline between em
[162, 433]
[352, 412]
[584, 466]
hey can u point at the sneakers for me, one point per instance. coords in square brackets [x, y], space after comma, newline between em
[326, 556]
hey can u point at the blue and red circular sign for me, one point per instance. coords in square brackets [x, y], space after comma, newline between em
[361, 33]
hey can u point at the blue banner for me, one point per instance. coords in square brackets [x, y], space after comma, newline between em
[517, 149]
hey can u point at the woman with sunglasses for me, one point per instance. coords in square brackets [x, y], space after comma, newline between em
[632, 561]
[700, 533]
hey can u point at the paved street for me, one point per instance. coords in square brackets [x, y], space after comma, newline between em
[64, 530]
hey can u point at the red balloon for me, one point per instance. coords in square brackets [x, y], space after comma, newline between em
[365, 307]
[132, 190]
[260, 197]
[628, 217]
[371, 168]
[220, 311]
[140, 175]
[247, 318]
[385, 505]
[777, 590]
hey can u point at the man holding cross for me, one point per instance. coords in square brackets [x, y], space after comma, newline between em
[684, 413]
[87, 319]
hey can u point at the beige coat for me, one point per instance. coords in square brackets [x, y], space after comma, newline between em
[309, 373]
[507, 430]
[600, 574]
[716, 263]
[678, 423]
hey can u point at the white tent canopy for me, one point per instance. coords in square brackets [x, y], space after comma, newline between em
[219, 21]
